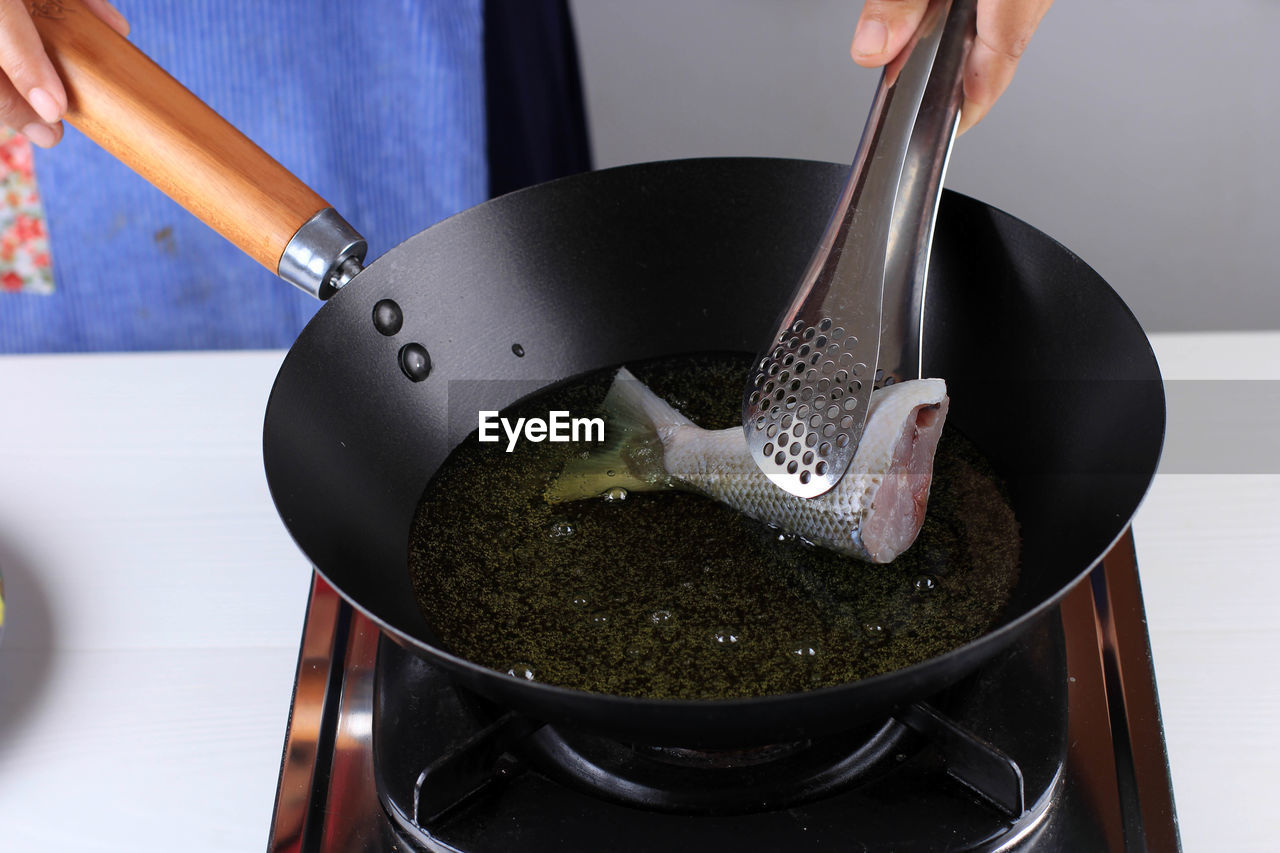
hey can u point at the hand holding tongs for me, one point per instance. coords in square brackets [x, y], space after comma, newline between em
[857, 314]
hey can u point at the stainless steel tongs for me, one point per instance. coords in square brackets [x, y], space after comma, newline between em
[856, 317]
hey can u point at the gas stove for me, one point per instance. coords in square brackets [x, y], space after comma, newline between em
[1056, 744]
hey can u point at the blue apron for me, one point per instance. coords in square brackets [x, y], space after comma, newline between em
[377, 105]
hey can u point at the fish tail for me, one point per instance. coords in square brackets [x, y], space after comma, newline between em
[636, 422]
[631, 405]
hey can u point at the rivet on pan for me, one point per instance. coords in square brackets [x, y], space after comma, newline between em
[518, 350]
[926, 583]
[415, 362]
[387, 317]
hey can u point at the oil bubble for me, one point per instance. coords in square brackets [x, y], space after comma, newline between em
[660, 618]
[926, 583]
[560, 530]
[579, 601]
[611, 473]
[727, 637]
[617, 493]
[599, 618]
[874, 630]
[804, 651]
[521, 670]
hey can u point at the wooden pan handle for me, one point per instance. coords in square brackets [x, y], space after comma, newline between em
[131, 107]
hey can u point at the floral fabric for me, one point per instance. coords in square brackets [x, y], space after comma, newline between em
[24, 243]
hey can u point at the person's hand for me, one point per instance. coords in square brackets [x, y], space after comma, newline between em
[1004, 28]
[32, 98]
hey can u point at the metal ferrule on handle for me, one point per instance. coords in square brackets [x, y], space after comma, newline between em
[857, 313]
[323, 255]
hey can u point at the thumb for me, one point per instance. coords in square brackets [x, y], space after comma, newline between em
[884, 28]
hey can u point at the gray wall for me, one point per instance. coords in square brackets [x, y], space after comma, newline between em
[1143, 134]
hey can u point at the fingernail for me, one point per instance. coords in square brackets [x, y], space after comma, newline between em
[870, 38]
[40, 134]
[44, 104]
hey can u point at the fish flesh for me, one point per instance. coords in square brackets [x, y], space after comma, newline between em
[873, 513]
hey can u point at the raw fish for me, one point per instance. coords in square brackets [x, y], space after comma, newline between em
[874, 512]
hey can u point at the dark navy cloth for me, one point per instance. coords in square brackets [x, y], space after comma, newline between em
[378, 105]
[537, 123]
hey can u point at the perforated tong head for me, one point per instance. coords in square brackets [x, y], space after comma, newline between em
[856, 318]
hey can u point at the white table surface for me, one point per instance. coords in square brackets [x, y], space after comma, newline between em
[154, 603]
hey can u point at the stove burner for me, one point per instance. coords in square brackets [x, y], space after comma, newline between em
[702, 758]
[709, 781]
[457, 772]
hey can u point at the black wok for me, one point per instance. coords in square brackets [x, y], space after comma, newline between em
[1048, 372]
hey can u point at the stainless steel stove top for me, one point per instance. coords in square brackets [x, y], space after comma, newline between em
[1088, 772]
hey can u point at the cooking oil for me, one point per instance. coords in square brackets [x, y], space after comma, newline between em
[673, 595]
